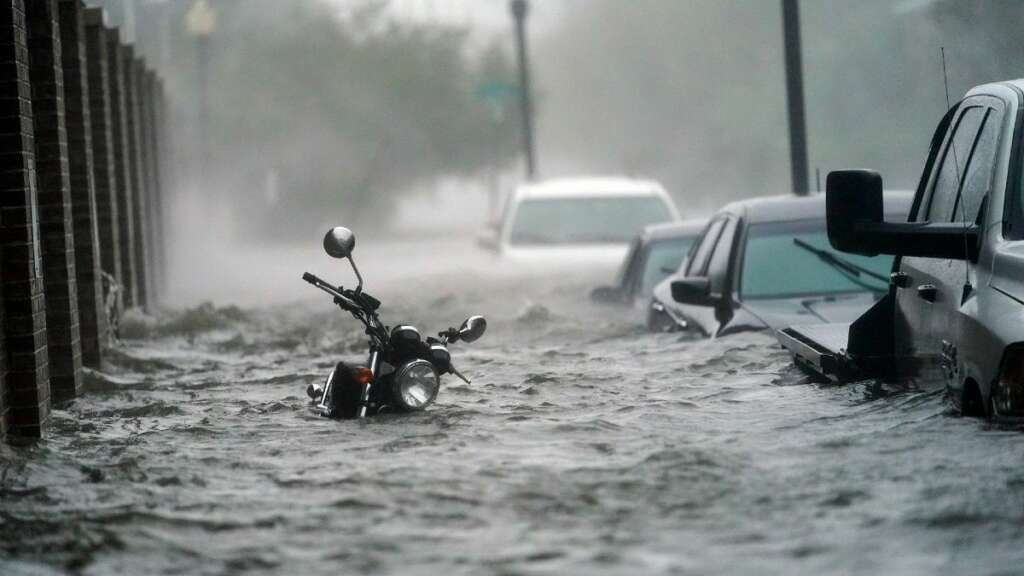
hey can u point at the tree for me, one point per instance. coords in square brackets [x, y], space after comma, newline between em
[317, 118]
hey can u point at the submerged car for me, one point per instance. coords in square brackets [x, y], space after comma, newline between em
[765, 263]
[654, 255]
[579, 222]
[954, 309]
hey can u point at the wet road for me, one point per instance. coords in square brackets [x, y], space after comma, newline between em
[583, 446]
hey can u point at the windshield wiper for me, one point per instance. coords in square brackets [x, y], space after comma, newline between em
[844, 266]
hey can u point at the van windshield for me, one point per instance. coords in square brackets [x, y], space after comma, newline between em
[608, 219]
[774, 266]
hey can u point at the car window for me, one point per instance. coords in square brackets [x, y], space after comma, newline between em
[699, 259]
[774, 266]
[663, 258]
[609, 219]
[978, 177]
[718, 268]
[946, 187]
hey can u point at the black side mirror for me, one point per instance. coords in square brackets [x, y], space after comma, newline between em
[693, 290]
[856, 223]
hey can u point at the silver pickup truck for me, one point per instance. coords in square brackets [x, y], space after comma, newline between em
[954, 312]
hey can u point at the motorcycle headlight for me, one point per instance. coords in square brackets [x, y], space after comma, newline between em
[405, 335]
[416, 385]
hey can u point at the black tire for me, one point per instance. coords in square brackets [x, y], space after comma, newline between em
[972, 404]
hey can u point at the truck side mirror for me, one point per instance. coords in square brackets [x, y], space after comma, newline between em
[693, 290]
[856, 223]
[852, 198]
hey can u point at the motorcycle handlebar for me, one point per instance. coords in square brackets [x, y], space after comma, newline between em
[339, 297]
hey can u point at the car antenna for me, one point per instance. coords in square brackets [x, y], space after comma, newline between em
[945, 85]
[945, 75]
[959, 201]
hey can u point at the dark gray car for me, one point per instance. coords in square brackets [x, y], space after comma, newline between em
[766, 263]
[653, 255]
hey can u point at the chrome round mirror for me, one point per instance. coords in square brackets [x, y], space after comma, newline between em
[472, 329]
[339, 242]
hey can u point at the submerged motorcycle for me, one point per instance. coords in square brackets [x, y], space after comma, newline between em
[403, 372]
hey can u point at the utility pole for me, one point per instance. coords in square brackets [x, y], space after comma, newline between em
[795, 96]
[519, 11]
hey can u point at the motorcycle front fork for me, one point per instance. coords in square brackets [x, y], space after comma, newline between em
[374, 366]
[323, 395]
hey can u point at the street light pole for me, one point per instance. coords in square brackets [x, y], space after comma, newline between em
[201, 22]
[519, 10]
[795, 96]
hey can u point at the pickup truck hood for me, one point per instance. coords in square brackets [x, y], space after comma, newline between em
[782, 312]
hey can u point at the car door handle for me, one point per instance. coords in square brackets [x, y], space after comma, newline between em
[927, 292]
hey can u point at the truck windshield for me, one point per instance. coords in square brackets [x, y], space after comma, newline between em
[607, 219]
[776, 267]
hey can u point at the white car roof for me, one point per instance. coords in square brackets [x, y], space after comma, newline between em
[589, 187]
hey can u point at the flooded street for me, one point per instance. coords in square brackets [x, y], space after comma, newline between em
[188, 175]
[582, 446]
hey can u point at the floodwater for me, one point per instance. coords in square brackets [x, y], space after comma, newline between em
[583, 446]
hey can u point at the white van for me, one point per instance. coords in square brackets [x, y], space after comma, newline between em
[579, 222]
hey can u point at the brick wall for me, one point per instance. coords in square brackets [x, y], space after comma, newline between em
[164, 160]
[104, 169]
[125, 192]
[54, 193]
[26, 388]
[155, 186]
[92, 320]
[81, 163]
[137, 172]
[4, 402]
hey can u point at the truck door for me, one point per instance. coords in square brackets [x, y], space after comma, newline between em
[931, 291]
[700, 258]
[719, 273]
